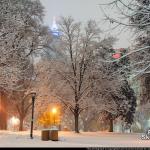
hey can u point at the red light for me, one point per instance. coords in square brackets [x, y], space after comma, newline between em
[116, 56]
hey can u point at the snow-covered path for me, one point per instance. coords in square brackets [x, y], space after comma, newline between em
[71, 139]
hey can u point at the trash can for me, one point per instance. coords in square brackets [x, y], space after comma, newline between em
[45, 135]
[53, 133]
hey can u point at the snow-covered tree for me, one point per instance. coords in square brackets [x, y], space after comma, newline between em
[78, 79]
[136, 18]
[21, 99]
[143, 40]
[69, 75]
[110, 89]
[77, 45]
[70, 78]
[21, 35]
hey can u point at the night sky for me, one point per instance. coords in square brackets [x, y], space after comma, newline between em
[81, 10]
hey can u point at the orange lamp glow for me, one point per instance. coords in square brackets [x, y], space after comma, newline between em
[54, 110]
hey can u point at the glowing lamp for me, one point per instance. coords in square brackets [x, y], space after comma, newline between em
[15, 121]
[54, 110]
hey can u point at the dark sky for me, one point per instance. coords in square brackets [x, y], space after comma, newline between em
[80, 10]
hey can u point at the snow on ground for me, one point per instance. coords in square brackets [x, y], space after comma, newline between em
[71, 139]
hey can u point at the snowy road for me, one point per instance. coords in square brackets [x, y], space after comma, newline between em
[71, 139]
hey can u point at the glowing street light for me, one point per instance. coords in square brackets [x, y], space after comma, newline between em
[15, 122]
[54, 111]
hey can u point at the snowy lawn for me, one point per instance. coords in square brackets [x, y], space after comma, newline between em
[71, 139]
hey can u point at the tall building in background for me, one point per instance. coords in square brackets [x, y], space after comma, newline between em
[55, 45]
[54, 28]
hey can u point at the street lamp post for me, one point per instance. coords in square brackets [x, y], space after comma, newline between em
[32, 119]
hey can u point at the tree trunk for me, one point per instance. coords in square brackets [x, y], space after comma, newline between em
[21, 124]
[145, 89]
[76, 115]
[3, 111]
[3, 121]
[111, 125]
